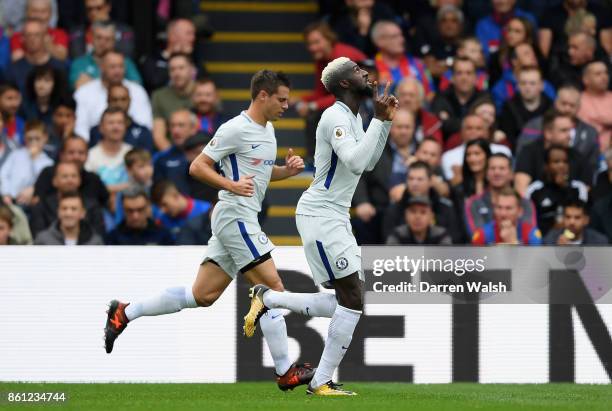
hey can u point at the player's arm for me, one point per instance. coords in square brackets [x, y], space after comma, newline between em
[293, 166]
[380, 145]
[203, 169]
[357, 156]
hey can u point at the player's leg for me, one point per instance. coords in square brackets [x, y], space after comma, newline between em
[251, 250]
[210, 283]
[349, 293]
[272, 322]
[311, 304]
[214, 275]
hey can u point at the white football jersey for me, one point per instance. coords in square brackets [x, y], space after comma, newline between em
[244, 147]
[343, 151]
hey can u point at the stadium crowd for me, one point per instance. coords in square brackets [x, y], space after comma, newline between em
[503, 133]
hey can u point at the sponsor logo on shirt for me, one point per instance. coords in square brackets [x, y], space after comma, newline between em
[259, 161]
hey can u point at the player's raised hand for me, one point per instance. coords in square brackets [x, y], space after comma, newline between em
[386, 105]
[293, 163]
[244, 187]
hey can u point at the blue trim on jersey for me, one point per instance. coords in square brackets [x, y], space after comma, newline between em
[247, 240]
[332, 170]
[325, 261]
[234, 163]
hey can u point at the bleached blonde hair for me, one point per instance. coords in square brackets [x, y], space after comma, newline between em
[331, 71]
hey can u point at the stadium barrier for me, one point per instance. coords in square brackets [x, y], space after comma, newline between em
[52, 312]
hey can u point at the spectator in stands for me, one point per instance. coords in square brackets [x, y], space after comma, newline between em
[581, 50]
[401, 142]
[489, 28]
[35, 53]
[173, 164]
[371, 197]
[175, 96]
[196, 231]
[574, 228]
[411, 97]
[138, 228]
[205, 102]
[5, 146]
[66, 179]
[73, 150]
[485, 109]
[82, 38]
[392, 61]
[429, 152]
[472, 128]
[531, 161]
[518, 30]
[92, 97]
[63, 120]
[55, 39]
[20, 233]
[139, 166]
[528, 103]
[419, 227]
[438, 53]
[10, 100]
[180, 38]
[87, 67]
[355, 25]
[419, 183]
[472, 179]
[596, 101]
[44, 88]
[71, 228]
[583, 137]
[106, 157]
[603, 184]
[522, 56]
[13, 15]
[479, 207]
[552, 35]
[507, 227]
[469, 48]
[136, 134]
[173, 209]
[22, 167]
[582, 20]
[452, 105]
[6, 225]
[549, 194]
[323, 46]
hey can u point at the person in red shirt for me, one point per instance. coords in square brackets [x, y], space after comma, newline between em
[506, 227]
[58, 39]
[324, 47]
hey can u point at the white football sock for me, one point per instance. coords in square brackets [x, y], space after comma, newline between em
[274, 329]
[339, 337]
[171, 300]
[311, 304]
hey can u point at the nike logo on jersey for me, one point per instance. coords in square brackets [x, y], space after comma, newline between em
[277, 315]
[344, 348]
[254, 146]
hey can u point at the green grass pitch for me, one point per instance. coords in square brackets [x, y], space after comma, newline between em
[266, 397]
